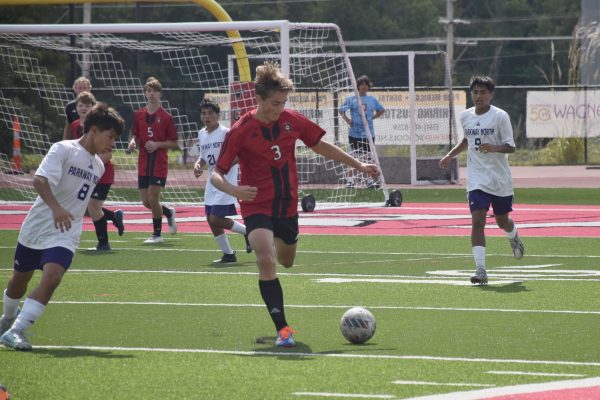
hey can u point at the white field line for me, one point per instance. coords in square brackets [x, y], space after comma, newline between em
[324, 355]
[374, 253]
[534, 374]
[538, 388]
[424, 383]
[345, 395]
[323, 306]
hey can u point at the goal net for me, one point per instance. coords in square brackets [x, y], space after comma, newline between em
[193, 61]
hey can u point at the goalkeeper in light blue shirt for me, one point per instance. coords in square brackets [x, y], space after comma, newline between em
[359, 143]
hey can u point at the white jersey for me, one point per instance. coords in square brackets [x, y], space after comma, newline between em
[72, 174]
[210, 147]
[488, 172]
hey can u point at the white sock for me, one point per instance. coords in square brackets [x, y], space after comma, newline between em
[31, 311]
[511, 234]
[238, 228]
[223, 243]
[9, 306]
[479, 256]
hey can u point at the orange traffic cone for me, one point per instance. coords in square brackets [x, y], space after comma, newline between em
[16, 158]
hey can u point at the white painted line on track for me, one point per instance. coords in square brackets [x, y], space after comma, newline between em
[421, 281]
[324, 306]
[535, 374]
[345, 395]
[514, 390]
[324, 355]
[424, 383]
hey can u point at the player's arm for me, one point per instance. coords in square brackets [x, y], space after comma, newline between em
[333, 152]
[62, 218]
[199, 167]
[242, 193]
[459, 148]
[378, 114]
[496, 148]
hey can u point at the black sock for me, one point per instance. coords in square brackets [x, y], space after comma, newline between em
[109, 215]
[166, 212]
[101, 230]
[157, 225]
[272, 295]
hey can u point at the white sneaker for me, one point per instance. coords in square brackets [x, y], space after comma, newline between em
[6, 323]
[15, 340]
[154, 239]
[480, 277]
[171, 221]
[517, 247]
[350, 183]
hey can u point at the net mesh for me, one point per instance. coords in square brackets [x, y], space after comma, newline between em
[197, 64]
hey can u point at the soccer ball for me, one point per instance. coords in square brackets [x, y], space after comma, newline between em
[358, 325]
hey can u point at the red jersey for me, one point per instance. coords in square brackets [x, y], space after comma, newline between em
[267, 157]
[109, 169]
[157, 127]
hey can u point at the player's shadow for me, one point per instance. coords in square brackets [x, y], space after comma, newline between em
[513, 287]
[72, 353]
[300, 352]
[230, 265]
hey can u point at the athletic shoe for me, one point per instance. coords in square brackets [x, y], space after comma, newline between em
[171, 221]
[6, 323]
[284, 337]
[480, 277]
[15, 340]
[102, 247]
[226, 259]
[517, 247]
[371, 184]
[248, 247]
[118, 221]
[349, 183]
[154, 239]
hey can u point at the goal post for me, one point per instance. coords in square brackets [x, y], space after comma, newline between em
[193, 61]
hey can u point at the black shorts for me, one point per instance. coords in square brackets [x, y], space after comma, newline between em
[145, 181]
[285, 229]
[361, 145]
[101, 191]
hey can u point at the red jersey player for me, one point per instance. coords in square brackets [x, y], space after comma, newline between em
[264, 143]
[154, 134]
[100, 215]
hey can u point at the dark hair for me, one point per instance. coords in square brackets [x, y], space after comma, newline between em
[269, 79]
[363, 79]
[104, 118]
[208, 103]
[482, 80]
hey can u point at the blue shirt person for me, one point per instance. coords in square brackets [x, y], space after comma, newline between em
[373, 109]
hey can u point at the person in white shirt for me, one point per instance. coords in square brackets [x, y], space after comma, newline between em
[50, 234]
[488, 139]
[217, 205]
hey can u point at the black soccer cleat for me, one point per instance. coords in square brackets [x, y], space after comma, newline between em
[118, 221]
[226, 259]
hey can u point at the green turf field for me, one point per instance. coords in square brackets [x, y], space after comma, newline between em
[163, 323]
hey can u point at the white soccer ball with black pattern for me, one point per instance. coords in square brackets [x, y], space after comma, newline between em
[358, 325]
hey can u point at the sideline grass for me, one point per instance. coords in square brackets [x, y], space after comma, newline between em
[146, 322]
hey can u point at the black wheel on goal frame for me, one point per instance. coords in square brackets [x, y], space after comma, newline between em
[308, 203]
[395, 199]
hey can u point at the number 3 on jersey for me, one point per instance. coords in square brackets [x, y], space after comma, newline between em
[277, 152]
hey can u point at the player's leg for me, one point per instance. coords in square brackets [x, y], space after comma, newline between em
[25, 262]
[218, 223]
[55, 263]
[479, 203]
[260, 233]
[502, 208]
[153, 201]
[100, 223]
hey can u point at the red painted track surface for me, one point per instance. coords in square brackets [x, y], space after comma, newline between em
[416, 219]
